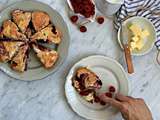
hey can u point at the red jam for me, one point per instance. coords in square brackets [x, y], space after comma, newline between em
[100, 20]
[74, 18]
[83, 29]
[84, 7]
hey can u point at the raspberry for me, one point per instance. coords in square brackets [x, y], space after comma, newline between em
[83, 29]
[74, 18]
[102, 103]
[80, 7]
[97, 99]
[87, 15]
[108, 94]
[100, 20]
[87, 8]
[112, 89]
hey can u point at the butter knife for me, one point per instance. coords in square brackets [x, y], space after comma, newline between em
[124, 41]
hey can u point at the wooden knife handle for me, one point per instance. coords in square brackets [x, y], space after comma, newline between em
[128, 59]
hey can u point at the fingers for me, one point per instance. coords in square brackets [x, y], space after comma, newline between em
[111, 101]
[123, 98]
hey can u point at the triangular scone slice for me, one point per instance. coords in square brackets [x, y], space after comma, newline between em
[3, 53]
[8, 50]
[40, 20]
[22, 19]
[47, 56]
[19, 62]
[49, 34]
[10, 30]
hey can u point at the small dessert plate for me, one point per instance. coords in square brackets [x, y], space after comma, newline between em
[35, 69]
[110, 72]
[144, 24]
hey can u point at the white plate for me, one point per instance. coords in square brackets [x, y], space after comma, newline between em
[36, 71]
[144, 23]
[111, 73]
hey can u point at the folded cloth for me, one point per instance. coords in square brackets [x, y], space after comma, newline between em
[149, 9]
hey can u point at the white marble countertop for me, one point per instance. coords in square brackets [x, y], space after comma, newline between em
[45, 99]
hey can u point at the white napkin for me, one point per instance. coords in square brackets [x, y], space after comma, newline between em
[146, 8]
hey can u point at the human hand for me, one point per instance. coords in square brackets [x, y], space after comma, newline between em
[131, 108]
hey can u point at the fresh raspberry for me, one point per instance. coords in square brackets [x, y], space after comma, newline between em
[86, 2]
[102, 103]
[87, 15]
[74, 18]
[78, 1]
[112, 89]
[100, 20]
[83, 29]
[80, 7]
[92, 12]
[97, 99]
[87, 8]
[108, 94]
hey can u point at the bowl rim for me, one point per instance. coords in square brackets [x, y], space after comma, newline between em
[145, 19]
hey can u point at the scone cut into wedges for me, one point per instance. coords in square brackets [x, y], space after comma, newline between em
[19, 61]
[40, 20]
[11, 31]
[8, 49]
[49, 35]
[21, 19]
[25, 30]
[86, 83]
[46, 56]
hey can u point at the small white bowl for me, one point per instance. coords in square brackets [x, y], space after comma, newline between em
[143, 23]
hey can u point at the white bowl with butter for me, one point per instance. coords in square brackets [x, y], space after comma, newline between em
[142, 35]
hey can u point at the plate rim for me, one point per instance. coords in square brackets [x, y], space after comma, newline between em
[93, 56]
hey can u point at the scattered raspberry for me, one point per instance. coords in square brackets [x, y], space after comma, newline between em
[97, 99]
[100, 20]
[83, 29]
[87, 8]
[74, 18]
[112, 89]
[102, 103]
[108, 94]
